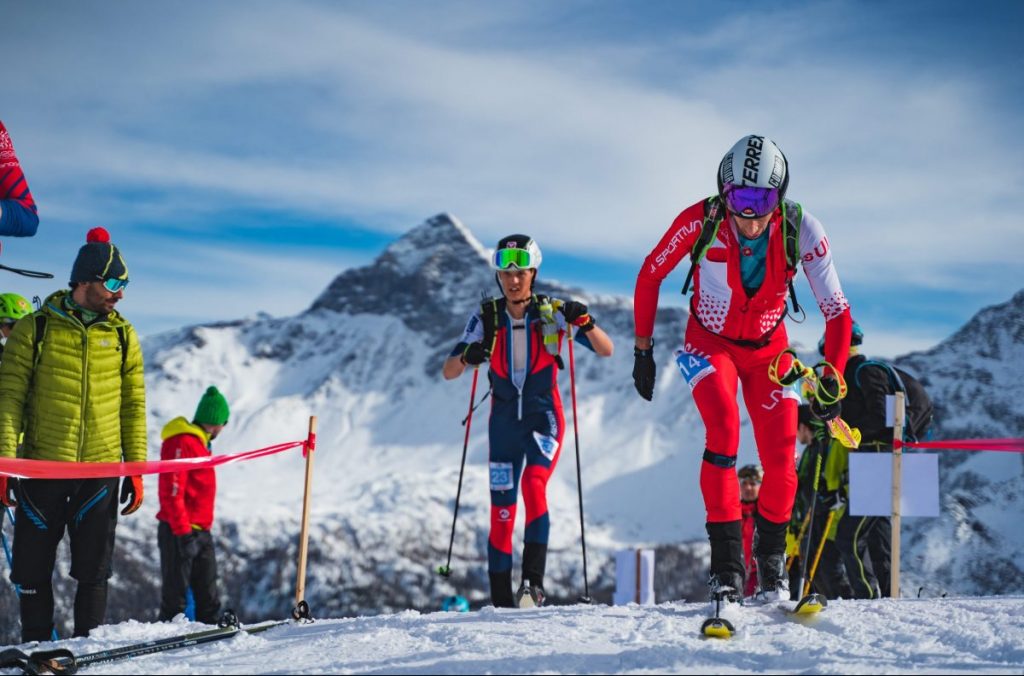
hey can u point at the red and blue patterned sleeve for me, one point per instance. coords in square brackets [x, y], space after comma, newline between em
[18, 215]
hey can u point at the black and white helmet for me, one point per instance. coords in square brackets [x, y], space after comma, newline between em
[755, 161]
[516, 252]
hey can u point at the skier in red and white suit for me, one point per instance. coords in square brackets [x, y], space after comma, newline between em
[734, 332]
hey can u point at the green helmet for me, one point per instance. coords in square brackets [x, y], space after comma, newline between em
[13, 307]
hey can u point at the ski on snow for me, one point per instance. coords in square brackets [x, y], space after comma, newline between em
[63, 661]
[717, 626]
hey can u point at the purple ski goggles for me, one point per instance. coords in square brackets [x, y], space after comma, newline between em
[751, 202]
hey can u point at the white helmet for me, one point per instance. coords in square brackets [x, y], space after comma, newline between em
[518, 252]
[755, 161]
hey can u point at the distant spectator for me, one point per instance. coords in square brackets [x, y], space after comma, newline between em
[187, 557]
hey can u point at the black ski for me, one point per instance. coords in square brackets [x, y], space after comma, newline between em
[63, 661]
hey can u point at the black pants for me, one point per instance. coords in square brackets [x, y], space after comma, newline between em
[864, 544]
[188, 561]
[87, 508]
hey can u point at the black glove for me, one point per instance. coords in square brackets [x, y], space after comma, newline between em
[475, 354]
[576, 313]
[643, 371]
[188, 546]
[828, 387]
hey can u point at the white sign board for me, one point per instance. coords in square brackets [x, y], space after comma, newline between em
[871, 484]
[627, 588]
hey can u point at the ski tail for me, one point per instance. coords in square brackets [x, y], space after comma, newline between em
[63, 661]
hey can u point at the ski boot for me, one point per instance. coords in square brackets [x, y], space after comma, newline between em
[530, 595]
[725, 589]
[773, 582]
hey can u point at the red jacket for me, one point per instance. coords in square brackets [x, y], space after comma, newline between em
[719, 301]
[186, 498]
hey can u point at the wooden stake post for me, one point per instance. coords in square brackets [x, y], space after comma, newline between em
[897, 476]
[300, 585]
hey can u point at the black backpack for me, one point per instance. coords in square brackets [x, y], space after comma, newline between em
[920, 412]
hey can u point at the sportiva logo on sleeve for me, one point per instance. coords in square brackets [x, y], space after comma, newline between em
[501, 476]
[677, 239]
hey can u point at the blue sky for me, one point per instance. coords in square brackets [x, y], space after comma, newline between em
[244, 153]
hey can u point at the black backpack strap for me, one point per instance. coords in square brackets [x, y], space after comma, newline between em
[37, 341]
[122, 337]
[793, 216]
[712, 206]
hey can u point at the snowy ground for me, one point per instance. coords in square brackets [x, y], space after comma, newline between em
[948, 636]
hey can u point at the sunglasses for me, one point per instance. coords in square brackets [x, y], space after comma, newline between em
[114, 285]
[751, 202]
[521, 259]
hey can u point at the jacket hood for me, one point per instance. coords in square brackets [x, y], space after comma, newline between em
[54, 304]
[181, 425]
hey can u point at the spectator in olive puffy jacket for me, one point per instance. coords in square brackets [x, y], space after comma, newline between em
[71, 379]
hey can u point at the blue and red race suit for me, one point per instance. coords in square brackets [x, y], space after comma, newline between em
[527, 424]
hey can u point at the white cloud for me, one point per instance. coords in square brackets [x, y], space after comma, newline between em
[572, 141]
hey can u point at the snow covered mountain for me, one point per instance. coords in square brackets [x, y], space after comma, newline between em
[976, 379]
[365, 358]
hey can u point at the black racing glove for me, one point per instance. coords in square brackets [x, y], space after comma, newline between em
[576, 313]
[475, 354]
[643, 371]
[828, 387]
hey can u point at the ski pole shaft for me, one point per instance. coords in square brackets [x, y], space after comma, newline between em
[799, 539]
[300, 585]
[810, 533]
[579, 474]
[817, 556]
[446, 570]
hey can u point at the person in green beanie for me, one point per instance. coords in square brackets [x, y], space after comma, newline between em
[187, 557]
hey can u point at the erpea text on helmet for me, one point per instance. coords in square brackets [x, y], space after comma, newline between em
[753, 177]
[516, 252]
[856, 338]
[753, 472]
[13, 307]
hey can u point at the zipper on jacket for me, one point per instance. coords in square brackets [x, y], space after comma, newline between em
[85, 389]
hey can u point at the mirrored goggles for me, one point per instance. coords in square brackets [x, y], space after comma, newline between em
[114, 285]
[751, 202]
[520, 259]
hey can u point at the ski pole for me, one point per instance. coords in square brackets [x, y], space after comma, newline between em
[301, 610]
[821, 547]
[579, 476]
[799, 539]
[810, 533]
[446, 569]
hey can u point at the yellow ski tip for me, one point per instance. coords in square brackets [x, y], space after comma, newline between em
[717, 628]
[810, 604]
